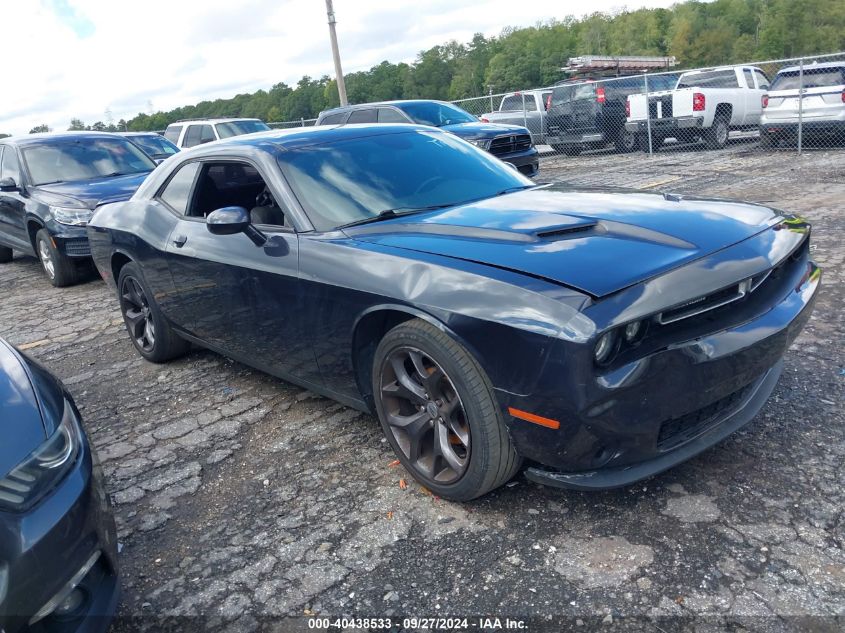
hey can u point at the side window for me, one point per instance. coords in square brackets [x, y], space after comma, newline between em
[235, 184]
[367, 115]
[333, 119]
[749, 78]
[177, 191]
[192, 135]
[172, 133]
[762, 80]
[207, 134]
[511, 103]
[9, 168]
[389, 115]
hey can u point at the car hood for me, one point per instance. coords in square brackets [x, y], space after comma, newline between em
[93, 193]
[21, 425]
[595, 241]
[483, 130]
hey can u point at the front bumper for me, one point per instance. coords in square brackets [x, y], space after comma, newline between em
[674, 399]
[527, 162]
[72, 241]
[46, 546]
[665, 125]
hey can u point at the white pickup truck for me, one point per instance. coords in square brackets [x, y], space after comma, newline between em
[704, 103]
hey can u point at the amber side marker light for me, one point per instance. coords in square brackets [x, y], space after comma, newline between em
[536, 419]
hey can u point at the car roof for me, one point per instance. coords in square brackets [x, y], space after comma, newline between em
[45, 138]
[822, 65]
[397, 102]
[293, 138]
[213, 120]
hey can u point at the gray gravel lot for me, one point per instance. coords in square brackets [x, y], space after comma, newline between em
[240, 496]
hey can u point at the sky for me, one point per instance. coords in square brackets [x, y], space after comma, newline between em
[82, 58]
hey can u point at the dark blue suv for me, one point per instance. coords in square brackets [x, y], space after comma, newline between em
[510, 143]
[50, 185]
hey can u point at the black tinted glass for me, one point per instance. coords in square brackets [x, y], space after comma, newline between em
[710, 79]
[362, 116]
[813, 78]
[350, 180]
[178, 189]
[436, 114]
[84, 159]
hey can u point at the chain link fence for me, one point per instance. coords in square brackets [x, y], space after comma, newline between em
[791, 105]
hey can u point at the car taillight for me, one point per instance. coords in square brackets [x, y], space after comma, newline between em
[764, 101]
[484, 119]
[549, 102]
[843, 96]
[600, 94]
[627, 109]
[697, 102]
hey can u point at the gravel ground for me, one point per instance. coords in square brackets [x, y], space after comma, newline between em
[239, 496]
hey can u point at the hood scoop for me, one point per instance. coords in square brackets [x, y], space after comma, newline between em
[566, 231]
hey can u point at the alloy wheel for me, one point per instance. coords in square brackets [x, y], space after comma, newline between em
[46, 259]
[425, 415]
[137, 313]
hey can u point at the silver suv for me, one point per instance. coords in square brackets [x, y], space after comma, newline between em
[822, 110]
[191, 132]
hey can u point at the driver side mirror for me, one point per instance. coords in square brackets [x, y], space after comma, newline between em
[8, 184]
[232, 220]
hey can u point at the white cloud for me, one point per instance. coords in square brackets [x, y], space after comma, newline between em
[177, 53]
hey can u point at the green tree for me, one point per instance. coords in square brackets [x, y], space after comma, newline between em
[76, 125]
[40, 128]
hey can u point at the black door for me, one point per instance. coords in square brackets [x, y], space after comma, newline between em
[13, 204]
[232, 294]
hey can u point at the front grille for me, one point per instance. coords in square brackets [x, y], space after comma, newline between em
[77, 248]
[509, 144]
[681, 430]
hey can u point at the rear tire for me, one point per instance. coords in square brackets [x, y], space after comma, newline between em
[716, 136]
[625, 141]
[60, 269]
[149, 330]
[437, 409]
[5, 254]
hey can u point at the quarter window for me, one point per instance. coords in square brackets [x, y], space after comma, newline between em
[172, 133]
[749, 78]
[10, 166]
[389, 115]
[177, 192]
[363, 116]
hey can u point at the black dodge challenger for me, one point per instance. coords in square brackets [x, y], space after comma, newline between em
[600, 336]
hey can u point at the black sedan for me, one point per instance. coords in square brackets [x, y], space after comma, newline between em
[58, 549]
[50, 185]
[487, 321]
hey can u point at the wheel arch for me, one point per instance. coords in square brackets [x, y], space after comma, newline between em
[724, 109]
[118, 260]
[33, 225]
[371, 326]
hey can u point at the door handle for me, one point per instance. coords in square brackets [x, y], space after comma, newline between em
[180, 240]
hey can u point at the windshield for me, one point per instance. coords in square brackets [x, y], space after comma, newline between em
[352, 180]
[436, 114]
[155, 145]
[236, 128]
[68, 160]
[813, 78]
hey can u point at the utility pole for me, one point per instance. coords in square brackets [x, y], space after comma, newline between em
[341, 86]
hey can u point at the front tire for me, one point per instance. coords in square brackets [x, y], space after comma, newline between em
[60, 269]
[5, 254]
[149, 330]
[439, 413]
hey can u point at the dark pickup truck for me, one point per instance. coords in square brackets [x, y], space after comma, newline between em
[590, 114]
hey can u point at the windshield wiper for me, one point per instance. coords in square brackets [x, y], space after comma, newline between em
[49, 182]
[114, 173]
[388, 214]
[513, 189]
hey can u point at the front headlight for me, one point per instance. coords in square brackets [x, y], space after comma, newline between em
[45, 467]
[74, 217]
[482, 143]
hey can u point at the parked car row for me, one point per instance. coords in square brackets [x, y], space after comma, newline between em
[706, 105]
[484, 319]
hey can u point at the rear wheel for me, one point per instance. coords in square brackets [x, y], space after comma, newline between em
[438, 411]
[625, 141]
[716, 136]
[149, 330]
[5, 254]
[60, 269]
